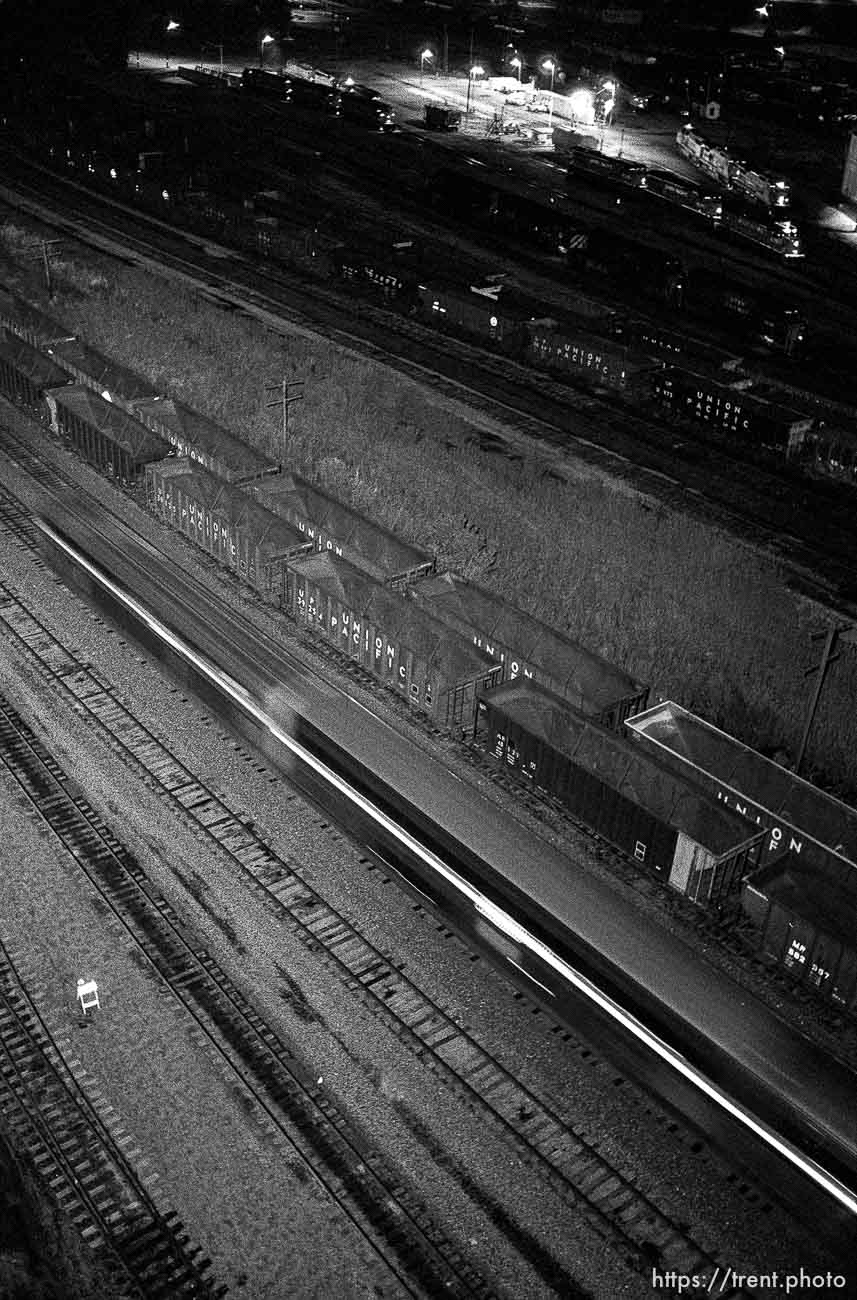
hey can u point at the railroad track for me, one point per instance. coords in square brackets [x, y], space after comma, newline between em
[76, 1152]
[369, 1191]
[615, 437]
[547, 1141]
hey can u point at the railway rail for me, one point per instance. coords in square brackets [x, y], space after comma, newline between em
[809, 529]
[369, 1191]
[545, 1139]
[76, 1151]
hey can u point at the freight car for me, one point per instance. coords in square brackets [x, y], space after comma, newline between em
[26, 374]
[113, 382]
[759, 316]
[484, 312]
[27, 322]
[648, 271]
[806, 924]
[574, 354]
[104, 434]
[530, 650]
[817, 828]
[520, 898]
[376, 114]
[226, 523]
[203, 442]
[604, 169]
[669, 825]
[331, 525]
[732, 412]
[436, 670]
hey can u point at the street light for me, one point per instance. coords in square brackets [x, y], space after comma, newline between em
[426, 55]
[550, 66]
[475, 71]
[266, 40]
[516, 64]
[172, 26]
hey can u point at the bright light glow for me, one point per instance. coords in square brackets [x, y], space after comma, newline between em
[781, 50]
[582, 104]
[477, 70]
[173, 26]
[529, 944]
[549, 66]
[762, 11]
[349, 81]
[267, 40]
[514, 63]
[427, 54]
[608, 106]
[609, 86]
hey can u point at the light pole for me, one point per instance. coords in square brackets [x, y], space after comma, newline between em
[516, 64]
[550, 66]
[476, 71]
[172, 26]
[266, 40]
[424, 56]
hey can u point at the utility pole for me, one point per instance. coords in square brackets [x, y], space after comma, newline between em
[41, 249]
[284, 394]
[847, 634]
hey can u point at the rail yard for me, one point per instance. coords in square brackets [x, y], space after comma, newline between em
[433, 956]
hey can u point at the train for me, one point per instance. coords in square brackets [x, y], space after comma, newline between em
[732, 213]
[354, 103]
[733, 173]
[382, 603]
[568, 938]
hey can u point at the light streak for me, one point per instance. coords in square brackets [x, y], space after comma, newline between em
[501, 920]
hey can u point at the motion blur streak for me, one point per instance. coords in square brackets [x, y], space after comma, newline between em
[501, 920]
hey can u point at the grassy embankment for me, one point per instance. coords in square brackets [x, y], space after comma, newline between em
[701, 618]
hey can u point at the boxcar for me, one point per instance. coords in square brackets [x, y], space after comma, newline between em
[433, 668]
[668, 825]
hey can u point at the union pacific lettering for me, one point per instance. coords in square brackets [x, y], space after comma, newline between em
[316, 535]
[717, 408]
[514, 668]
[780, 838]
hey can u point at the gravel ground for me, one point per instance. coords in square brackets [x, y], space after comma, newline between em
[480, 1182]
